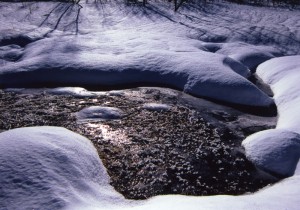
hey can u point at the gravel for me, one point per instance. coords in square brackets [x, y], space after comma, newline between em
[191, 148]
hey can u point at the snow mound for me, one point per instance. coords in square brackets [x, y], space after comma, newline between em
[99, 113]
[276, 150]
[252, 59]
[50, 168]
[53, 168]
[120, 47]
[156, 107]
[249, 55]
[283, 75]
[199, 73]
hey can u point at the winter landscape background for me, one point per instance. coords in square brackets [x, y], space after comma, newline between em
[221, 59]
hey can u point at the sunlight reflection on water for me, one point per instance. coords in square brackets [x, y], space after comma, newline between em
[116, 137]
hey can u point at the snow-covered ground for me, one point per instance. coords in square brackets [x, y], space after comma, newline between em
[198, 50]
[209, 52]
[49, 168]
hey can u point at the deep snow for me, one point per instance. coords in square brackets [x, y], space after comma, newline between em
[198, 50]
[50, 168]
[279, 150]
[203, 51]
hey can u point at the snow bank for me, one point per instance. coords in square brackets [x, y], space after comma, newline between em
[48, 62]
[278, 150]
[78, 92]
[50, 168]
[123, 46]
[249, 55]
[275, 150]
[99, 113]
[283, 75]
[73, 91]
[156, 107]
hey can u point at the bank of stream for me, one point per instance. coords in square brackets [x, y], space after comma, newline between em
[192, 148]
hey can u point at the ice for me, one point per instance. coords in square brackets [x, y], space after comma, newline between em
[156, 107]
[249, 55]
[283, 75]
[99, 113]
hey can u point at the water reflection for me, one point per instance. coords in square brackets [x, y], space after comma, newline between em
[116, 137]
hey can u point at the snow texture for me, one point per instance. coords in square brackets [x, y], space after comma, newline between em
[250, 56]
[202, 51]
[156, 107]
[49, 168]
[74, 91]
[283, 75]
[276, 151]
[123, 46]
[280, 141]
[78, 92]
[99, 113]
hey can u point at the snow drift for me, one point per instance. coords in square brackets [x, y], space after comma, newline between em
[119, 46]
[278, 150]
[71, 62]
[203, 51]
[50, 168]
[53, 168]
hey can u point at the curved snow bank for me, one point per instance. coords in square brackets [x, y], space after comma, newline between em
[117, 45]
[247, 54]
[53, 168]
[283, 75]
[50, 168]
[274, 150]
[278, 150]
[72, 62]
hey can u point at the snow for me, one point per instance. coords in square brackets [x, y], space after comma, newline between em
[283, 75]
[156, 107]
[213, 77]
[207, 52]
[93, 113]
[50, 168]
[278, 150]
[73, 91]
[250, 56]
[275, 150]
[53, 168]
[122, 46]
